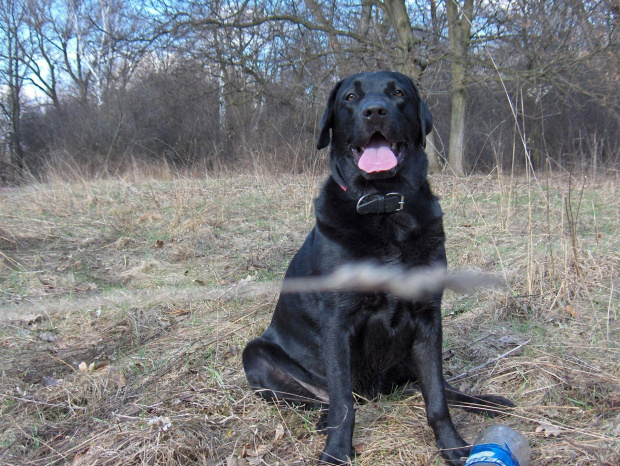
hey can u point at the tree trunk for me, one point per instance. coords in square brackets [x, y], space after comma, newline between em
[12, 22]
[407, 40]
[407, 63]
[456, 154]
[459, 28]
[434, 164]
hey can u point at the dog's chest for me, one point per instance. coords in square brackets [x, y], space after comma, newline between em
[385, 333]
[399, 239]
[390, 254]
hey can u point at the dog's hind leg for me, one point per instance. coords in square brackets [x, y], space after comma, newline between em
[274, 376]
[404, 378]
[490, 405]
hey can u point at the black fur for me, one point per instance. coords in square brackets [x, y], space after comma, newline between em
[321, 348]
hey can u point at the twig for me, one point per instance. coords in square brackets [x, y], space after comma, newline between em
[409, 284]
[489, 362]
[64, 362]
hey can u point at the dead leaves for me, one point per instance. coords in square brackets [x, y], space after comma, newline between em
[249, 454]
[118, 378]
[571, 310]
[51, 381]
[548, 430]
[254, 453]
[160, 423]
[82, 367]
[28, 319]
[79, 457]
[103, 368]
[279, 433]
[48, 336]
[613, 400]
[232, 460]
[275, 448]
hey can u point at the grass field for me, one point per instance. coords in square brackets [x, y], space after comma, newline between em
[125, 305]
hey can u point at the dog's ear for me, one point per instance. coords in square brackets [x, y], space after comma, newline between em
[426, 121]
[327, 121]
[425, 116]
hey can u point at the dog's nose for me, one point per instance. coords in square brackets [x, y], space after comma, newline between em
[374, 109]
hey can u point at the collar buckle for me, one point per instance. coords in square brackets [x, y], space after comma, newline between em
[401, 201]
[380, 203]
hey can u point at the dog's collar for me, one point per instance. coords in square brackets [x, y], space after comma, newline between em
[373, 203]
[380, 203]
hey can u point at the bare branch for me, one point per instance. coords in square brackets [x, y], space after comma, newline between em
[409, 284]
[489, 362]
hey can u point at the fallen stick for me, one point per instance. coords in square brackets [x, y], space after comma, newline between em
[408, 284]
[489, 362]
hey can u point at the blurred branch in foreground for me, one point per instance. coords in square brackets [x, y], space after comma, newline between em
[408, 284]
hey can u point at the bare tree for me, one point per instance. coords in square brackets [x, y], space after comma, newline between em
[459, 26]
[38, 45]
[12, 76]
[412, 56]
[559, 61]
[230, 82]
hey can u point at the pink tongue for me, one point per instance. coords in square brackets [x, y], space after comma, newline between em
[377, 157]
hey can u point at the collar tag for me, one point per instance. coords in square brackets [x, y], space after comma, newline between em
[380, 203]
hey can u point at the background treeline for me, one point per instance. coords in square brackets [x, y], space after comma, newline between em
[102, 84]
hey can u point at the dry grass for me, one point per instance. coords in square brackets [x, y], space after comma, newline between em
[157, 285]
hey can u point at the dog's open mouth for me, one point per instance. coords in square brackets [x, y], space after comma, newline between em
[379, 155]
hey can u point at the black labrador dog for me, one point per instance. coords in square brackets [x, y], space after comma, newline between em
[322, 347]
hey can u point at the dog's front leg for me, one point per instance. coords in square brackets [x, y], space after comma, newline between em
[427, 359]
[341, 416]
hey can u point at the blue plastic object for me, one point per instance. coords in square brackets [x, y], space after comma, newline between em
[492, 453]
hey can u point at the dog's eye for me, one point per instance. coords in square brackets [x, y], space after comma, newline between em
[351, 96]
[399, 93]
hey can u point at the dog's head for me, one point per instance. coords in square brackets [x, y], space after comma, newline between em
[378, 125]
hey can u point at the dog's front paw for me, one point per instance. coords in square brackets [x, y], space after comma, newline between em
[337, 452]
[336, 457]
[454, 452]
